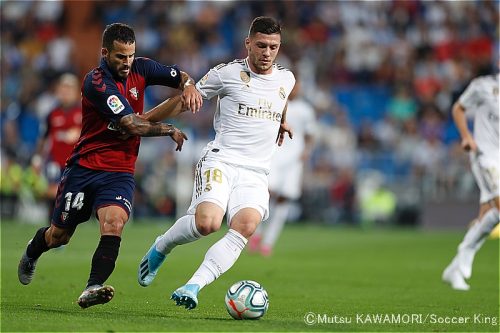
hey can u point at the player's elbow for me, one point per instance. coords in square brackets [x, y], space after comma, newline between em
[457, 109]
[132, 130]
[131, 125]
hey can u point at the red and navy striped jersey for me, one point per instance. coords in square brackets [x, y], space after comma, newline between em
[105, 100]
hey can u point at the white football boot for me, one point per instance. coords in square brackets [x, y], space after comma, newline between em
[454, 277]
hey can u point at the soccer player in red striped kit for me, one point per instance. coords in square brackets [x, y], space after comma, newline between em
[99, 174]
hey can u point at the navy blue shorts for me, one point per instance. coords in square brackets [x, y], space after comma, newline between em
[83, 191]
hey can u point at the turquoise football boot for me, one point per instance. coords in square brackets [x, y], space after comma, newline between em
[186, 295]
[150, 263]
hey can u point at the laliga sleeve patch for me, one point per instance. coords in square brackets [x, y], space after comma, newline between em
[115, 104]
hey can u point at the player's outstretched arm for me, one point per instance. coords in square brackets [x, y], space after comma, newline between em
[169, 108]
[468, 142]
[191, 97]
[135, 125]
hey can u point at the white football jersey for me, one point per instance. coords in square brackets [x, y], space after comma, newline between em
[248, 113]
[481, 101]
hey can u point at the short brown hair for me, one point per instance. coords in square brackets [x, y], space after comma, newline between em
[119, 32]
[265, 25]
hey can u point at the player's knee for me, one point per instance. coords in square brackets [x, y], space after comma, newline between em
[207, 228]
[245, 229]
[112, 220]
[207, 224]
[113, 225]
[496, 203]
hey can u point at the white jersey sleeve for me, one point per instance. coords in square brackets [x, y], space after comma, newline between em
[481, 101]
[210, 85]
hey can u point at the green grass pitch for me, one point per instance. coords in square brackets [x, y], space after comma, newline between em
[337, 276]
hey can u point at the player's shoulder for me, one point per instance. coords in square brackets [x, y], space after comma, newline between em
[142, 62]
[231, 66]
[95, 80]
[284, 75]
[485, 79]
[284, 72]
[282, 69]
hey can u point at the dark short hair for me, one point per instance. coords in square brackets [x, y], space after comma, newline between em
[265, 25]
[119, 32]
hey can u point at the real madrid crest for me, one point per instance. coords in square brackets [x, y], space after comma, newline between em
[245, 77]
[204, 79]
[282, 93]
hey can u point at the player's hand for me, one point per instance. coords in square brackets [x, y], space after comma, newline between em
[178, 136]
[191, 99]
[468, 144]
[284, 128]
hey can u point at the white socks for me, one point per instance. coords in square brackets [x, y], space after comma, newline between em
[476, 234]
[182, 232]
[473, 240]
[219, 258]
[275, 224]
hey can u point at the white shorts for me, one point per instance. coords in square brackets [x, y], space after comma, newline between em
[286, 179]
[231, 187]
[486, 172]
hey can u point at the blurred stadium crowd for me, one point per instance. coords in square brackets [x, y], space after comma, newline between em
[381, 75]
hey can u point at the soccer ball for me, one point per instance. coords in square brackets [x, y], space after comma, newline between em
[246, 300]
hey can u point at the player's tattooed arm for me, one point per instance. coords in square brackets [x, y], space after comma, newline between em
[191, 97]
[134, 125]
[284, 128]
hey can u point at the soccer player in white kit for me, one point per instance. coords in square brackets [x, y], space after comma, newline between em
[480, 100]
[285, 178]
[232, 175]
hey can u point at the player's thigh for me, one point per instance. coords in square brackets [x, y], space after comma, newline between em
[113, 201]
[250, 191]
[487, 175]
[75, 198]
[212, 184]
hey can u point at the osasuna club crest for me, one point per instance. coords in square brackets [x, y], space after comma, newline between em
[134, 93]
[64, 216]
